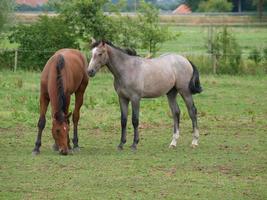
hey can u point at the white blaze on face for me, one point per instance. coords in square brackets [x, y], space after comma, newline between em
[92, 59]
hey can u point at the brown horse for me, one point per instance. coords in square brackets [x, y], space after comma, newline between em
[64, 74]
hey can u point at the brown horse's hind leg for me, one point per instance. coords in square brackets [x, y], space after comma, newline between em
[76, 115]
[44, 101]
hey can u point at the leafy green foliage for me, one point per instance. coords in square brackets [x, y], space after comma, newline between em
[265, 53]
[128, 34]
[193, 4]
[38, 41]
[6, 59]
[152, 34]
[255, 55]
[86, 17]
[215, 6]
[6, 7]
[227, 52]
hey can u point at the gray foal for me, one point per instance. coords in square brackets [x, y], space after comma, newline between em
[136, 77]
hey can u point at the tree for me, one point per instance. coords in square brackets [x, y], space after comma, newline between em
[38, 41]
[152, 34]
[227, 52]
[6, 7]
[260, 6]
[193, 4]
[86, 17]
[215, 6]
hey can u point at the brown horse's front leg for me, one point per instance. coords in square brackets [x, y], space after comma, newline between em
[44, 101]
[76, 117]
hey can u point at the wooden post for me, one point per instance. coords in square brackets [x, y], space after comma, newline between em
[211, 49]
[214, 63]
[16, 60]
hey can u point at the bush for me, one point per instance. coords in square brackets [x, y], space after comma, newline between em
[38, 41]
[6, 59]
[255, 55]
[265, 53]
[152, 34]
[215, 6]
[227, 52]
[87, 19]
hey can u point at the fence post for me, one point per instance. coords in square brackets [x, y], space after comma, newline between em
[16, 60]
[214, 63]
[211, 49]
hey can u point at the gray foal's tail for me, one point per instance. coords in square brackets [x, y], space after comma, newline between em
[194, 84]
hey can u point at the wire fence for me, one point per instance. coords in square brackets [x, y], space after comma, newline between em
[12, 59]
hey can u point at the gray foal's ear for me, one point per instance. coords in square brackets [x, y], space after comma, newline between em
[93, 40]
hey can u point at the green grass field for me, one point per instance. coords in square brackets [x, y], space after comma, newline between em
[230, 162]
[194, 38]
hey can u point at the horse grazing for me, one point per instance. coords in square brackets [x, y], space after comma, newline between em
[64, 74]
[136, 77]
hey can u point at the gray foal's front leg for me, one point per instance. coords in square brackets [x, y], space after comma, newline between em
[176, 116]
[135, 122]
[124, 113]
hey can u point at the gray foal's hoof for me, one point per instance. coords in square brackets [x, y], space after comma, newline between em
[76, 149]
[134, 147]
[120, 147]
[35, 153]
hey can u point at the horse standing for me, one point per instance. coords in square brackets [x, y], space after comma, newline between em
[136, 78]
[64, 74]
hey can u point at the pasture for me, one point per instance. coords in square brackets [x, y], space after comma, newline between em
[230, 162]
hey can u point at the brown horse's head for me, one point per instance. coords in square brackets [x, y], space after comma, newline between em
[60, 131]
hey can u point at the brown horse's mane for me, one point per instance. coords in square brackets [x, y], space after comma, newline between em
[60, 88]
[128, 51]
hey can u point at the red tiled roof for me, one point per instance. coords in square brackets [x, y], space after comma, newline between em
[33, 3]
[182, 9]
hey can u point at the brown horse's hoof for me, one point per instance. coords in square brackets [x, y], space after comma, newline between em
[35, 153]
[55, 147]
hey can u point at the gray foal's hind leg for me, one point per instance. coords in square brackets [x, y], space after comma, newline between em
[175, 114]
[187, 96]
[124, 113]
[135, 122]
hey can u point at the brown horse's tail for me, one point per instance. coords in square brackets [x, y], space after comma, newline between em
[194, 84]
[61, 96]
